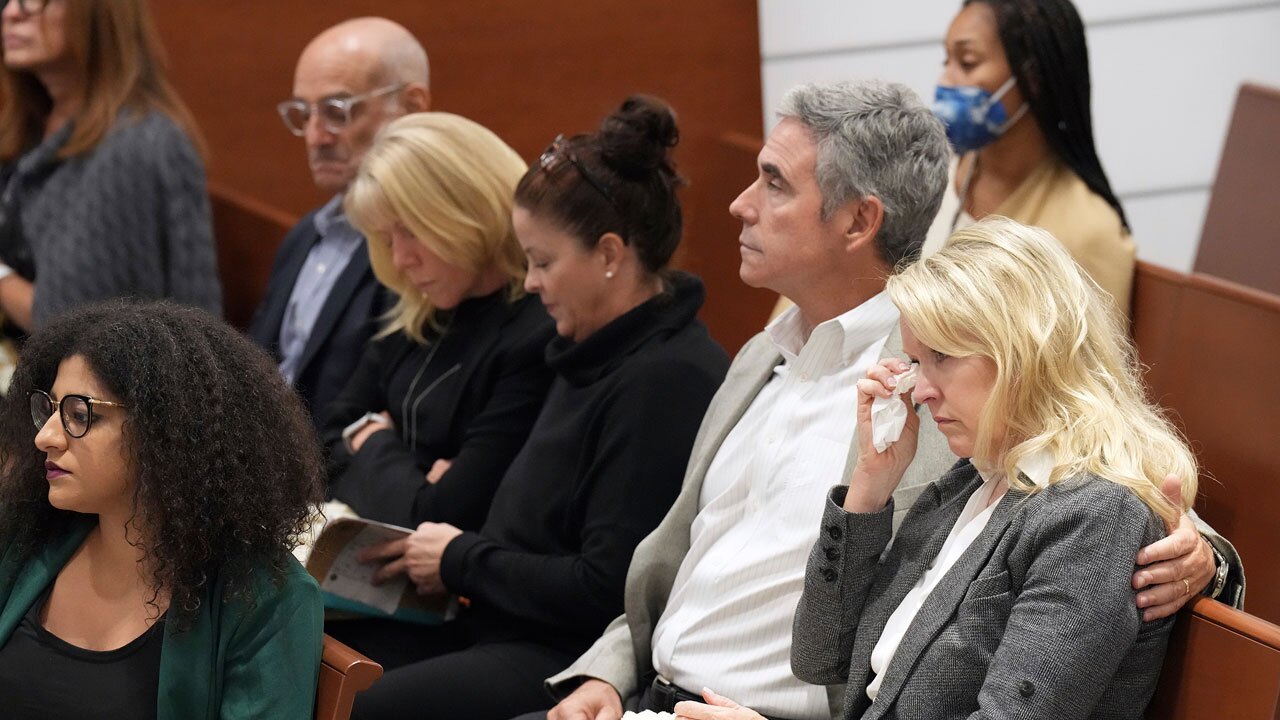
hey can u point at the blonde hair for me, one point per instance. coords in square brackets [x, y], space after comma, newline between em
[1067, 376]
[450, 182]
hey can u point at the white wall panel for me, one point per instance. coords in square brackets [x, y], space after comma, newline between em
[1167, 227]
[1164, 91]
[807, 27]
[1165, 75]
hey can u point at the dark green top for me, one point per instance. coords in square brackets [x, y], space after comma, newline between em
[233, 662]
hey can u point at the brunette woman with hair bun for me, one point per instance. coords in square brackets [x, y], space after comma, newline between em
[599, 219]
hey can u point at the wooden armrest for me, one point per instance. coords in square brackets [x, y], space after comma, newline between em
[343, 673]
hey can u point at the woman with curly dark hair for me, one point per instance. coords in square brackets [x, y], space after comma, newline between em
[145, 534]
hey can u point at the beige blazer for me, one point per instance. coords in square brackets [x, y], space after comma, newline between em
[1056, 199]
[622, 656]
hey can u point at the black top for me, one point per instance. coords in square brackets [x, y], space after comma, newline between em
[600, 470]
[43, 677]
[469, 395]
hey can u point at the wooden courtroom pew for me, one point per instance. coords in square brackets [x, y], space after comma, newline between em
[343, 673]
[247, 233]
[1241, 237]
[1211, 347]
[1221, 663]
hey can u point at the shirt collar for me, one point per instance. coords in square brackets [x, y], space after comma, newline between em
[1036, 466]
[331, 217]
[854, 330]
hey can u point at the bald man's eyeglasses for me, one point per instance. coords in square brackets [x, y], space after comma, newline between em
[334, 112]
[27, 7]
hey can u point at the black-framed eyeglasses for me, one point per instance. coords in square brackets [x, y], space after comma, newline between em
[334, 112]
[558, 153]
[28, 7]
[76, 411]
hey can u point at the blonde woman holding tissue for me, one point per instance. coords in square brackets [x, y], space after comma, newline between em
[1007, 589]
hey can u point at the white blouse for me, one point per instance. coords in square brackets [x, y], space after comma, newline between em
[972, 521]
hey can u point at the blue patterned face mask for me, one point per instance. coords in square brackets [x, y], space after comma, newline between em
[973, 116]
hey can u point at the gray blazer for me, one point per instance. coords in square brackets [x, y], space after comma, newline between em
[622, 656]
[1036, 620]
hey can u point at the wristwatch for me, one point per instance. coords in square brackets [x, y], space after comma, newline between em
[1220, 574]
[350, 431]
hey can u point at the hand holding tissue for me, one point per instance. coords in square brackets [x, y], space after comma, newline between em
[889, 415]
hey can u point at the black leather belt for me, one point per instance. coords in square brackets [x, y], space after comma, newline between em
[664, 694]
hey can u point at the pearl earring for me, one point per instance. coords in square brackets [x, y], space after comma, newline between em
[608, 274]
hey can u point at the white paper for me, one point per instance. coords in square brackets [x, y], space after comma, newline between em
[352, 579]
[320, 516]
[647, 715]
[889, 415]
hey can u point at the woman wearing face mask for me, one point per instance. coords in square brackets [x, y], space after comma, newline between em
[444, 397]
[102, 188]
[146, 524]
[1014, 94]
[599, 219]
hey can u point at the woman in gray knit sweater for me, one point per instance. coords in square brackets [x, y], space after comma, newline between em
[102, 188]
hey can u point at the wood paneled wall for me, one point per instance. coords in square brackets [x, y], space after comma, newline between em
[526, 70]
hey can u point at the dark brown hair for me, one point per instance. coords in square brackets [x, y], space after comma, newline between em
[114, 45]
[621, 180]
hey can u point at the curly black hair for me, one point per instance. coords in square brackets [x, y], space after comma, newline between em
[227, 463]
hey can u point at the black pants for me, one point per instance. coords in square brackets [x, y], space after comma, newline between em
[448, 672]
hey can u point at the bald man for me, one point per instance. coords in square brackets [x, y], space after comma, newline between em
[323, 300]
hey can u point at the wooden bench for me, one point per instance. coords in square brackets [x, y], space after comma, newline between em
[1211, 346]
[1221, 663]
[1241, 237]
[343, 673]
[247, 233]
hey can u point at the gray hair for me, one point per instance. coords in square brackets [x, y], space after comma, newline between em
[876, 139]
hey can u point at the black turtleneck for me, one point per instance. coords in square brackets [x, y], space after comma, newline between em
[469, 395]
[600, 470]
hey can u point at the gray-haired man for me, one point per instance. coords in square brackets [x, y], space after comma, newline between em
[848, 184]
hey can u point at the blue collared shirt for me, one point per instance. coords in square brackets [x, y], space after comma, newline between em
[338, 243]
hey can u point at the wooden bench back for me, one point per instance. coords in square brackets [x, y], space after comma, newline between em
[1241, 237]
[1211, 347]
[247, 233]
[1221, 663]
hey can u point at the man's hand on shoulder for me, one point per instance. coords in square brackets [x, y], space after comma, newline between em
[593, 700]
[1173, 570]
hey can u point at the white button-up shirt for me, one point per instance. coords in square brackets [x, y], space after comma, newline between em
[727, 624]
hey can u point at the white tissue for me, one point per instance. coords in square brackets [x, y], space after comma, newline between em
[889, 415]
[647, 715]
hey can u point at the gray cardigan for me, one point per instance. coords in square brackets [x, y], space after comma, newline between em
[1036, 620]
[129, 217]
